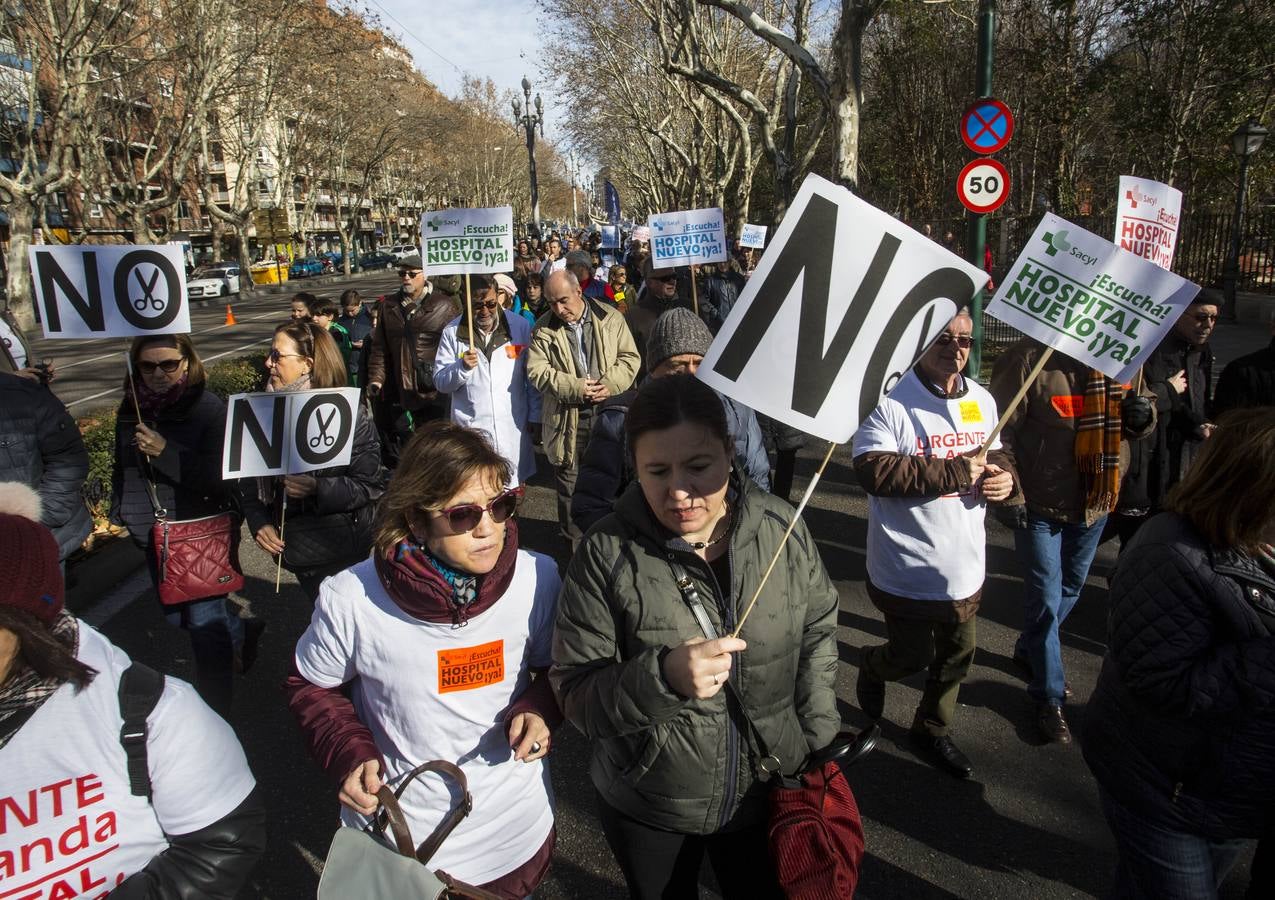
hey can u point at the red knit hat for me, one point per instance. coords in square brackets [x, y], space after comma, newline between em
[32, 578]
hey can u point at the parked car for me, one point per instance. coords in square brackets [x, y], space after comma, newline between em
[370, 261]
[213, 280]
[399, 251]
[304, 267]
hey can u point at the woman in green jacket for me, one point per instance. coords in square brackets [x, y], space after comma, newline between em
[677, 773]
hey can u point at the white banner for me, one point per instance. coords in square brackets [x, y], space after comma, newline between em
[610, 237]
[467, 241]
[286, 434]
[842, 303]
[691, 236]
[94, 291]
[753, 236]
[1147, 217]
[1086, 297]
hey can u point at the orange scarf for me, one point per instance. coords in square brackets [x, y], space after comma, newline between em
[1097, 447]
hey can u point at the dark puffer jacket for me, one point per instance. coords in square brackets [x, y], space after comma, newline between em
[676, 763]
[187, 475]
[1181, 727]
[41, 447]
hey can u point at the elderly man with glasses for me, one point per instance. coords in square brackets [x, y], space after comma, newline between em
[400, 368]
[919, 456]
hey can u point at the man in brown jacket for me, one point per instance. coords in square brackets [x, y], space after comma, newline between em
[1067, 442]
[400, 369]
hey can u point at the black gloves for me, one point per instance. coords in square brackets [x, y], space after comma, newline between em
[1012, 517]
[1136, 412]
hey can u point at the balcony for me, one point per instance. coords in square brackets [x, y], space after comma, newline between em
[217, 166]
[220, 196]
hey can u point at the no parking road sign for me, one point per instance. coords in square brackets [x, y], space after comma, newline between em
[983, 185]
[987, 126]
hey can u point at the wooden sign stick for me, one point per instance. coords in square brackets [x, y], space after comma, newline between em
[132, 383]
[283, 515]
[469, 311]
[1018, 398]
[694, 291]
[810, 489]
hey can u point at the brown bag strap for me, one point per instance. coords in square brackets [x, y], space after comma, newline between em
[425, 852]
[397, 822]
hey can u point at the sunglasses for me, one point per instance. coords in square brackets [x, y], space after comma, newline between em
[411, 273]
[274, 356]
[964, 341]
[487, 304]
[466, 517]
[168, 365]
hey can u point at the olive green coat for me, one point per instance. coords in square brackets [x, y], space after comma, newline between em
[675, 763]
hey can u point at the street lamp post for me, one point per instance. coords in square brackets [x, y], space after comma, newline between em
[529, 121]
[1245, 141]
[575, 213]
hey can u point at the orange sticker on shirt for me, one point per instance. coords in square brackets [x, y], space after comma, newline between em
[1069, 406]
[970, 411]
[512, 350]
[471, 667]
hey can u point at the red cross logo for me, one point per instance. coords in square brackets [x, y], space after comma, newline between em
[1133, 202]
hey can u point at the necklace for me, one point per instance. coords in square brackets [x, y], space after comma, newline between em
[702, 545]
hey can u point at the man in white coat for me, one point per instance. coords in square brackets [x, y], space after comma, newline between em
[488, 380]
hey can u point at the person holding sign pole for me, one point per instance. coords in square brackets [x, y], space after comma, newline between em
[326, 515]
[640, 668]
[580, 355]
[1066, 440]
[437, 648]
[170, 460]
[488, 382]
[918, 457]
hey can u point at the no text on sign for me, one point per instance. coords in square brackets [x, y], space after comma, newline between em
[987, 126]
[983, 185]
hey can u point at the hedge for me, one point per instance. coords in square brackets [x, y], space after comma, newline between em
[232, 376]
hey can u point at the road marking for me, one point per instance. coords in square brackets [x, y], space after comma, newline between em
[205, 359]
[81, 362]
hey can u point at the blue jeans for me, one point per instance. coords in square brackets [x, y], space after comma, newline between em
[1159, 863]
[1056, 556]
[215, 631]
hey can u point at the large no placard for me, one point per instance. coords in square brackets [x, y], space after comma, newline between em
[286, 434]
[841, 304]
[467, 241]
[1147, 217]
[1086, 297]
[121, 291]
[690, 236]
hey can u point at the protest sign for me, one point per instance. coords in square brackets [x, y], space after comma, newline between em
[753, 236]
[1147, 218]
[95, 291]
[610, 237]
[687, 237]
[1086, 297]
[467, 241]
[841, 304]
[641, 233]
[287, 434]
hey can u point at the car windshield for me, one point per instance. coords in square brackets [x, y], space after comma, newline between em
[207, 272]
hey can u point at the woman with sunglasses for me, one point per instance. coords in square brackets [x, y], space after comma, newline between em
[488, 381]
[329, 511]
[674, 766]
[436, 648]
[176, 448]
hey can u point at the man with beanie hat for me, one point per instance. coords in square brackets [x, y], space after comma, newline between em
[677, 345]
[660, 292]
[192, 824]
[400, 368]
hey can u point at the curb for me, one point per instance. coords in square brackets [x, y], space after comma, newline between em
[87, 580]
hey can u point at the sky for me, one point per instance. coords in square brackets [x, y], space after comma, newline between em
[496, 39]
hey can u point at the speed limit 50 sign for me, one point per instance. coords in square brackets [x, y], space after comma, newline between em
[983, 185]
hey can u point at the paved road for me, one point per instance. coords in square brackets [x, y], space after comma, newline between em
[90, 372]
[1027, 824]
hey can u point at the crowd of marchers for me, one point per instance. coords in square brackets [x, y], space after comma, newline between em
[436, 635]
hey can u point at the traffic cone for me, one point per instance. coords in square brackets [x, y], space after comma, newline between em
[230, 316]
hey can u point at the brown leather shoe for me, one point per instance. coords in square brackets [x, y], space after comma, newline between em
[1053, 724]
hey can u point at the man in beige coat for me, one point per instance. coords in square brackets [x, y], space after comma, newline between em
[581, 353]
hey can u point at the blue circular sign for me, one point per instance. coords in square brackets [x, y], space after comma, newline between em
[987, 126]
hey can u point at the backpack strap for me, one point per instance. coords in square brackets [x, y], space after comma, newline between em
[139, 693]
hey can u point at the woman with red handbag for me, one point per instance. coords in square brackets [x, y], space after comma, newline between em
[168, 468]
[676, 709]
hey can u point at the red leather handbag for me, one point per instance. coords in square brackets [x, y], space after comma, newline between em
[195, 558]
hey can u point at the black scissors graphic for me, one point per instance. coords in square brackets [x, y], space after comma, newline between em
[323, 437]
[148, 293]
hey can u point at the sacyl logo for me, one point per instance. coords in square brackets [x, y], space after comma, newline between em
[438, 222]
[1056, 242]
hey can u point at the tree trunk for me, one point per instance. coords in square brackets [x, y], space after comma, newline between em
[21, 299]
[245, 259]
[848, 88]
